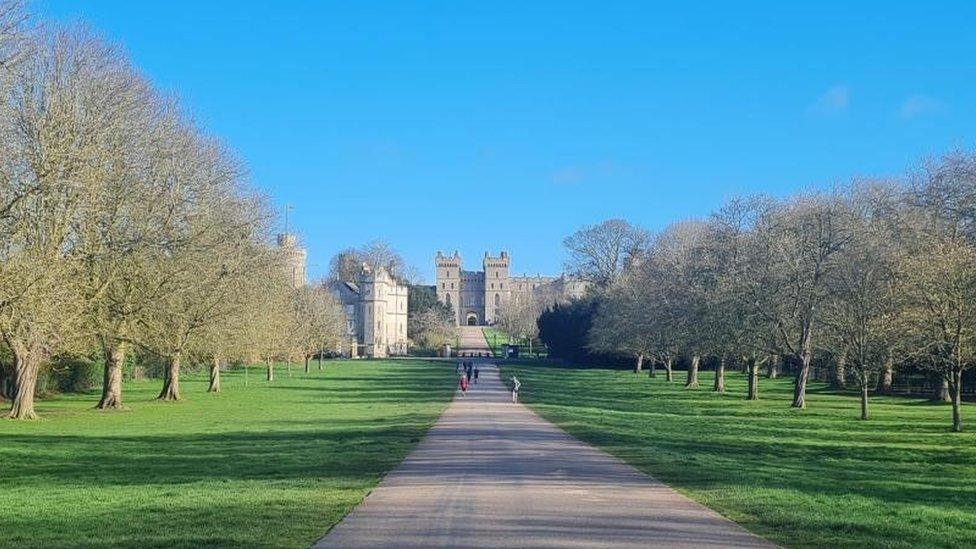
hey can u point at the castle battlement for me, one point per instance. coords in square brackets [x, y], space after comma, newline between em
[479, 297]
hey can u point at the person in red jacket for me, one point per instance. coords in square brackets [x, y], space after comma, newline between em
[464, 384]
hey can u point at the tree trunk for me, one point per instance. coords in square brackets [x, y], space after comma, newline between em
[772, 371]
[639, 366]
[171, 384]
[720, 376]
[652, 371]
[956, 387]
[112, 378]
[270, 369]
[692, 382]
[214, 376]
[887, 377]
[840, 367]
[864, 395]
[320, 359]
[307, 359]
[27, 364]
[800, 388]
[669, 369]
[753, 393]
[942, 393]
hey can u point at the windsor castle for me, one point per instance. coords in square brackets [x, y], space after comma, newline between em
[478, 297]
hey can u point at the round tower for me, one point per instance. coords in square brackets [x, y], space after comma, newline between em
[295, 259]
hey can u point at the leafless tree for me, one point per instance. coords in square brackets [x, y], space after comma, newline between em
[62, 121]
[861, 314]
[599, 253]
[319, 321]
[347, 264]
[941, 267]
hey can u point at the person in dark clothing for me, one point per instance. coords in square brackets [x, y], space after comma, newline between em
[476, 374]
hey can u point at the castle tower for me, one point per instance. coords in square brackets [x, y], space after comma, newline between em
[449, 282]
[295, 259]
[372, 302]
[498, 287]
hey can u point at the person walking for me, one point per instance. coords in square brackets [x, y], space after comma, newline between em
[516, 384]
[463, 382]
[468, 372]
[476, 375]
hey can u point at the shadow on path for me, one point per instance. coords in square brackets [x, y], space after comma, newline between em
[494, 474]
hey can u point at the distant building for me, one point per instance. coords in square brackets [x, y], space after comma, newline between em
[478, 297]
[295, 259]
[376, 313]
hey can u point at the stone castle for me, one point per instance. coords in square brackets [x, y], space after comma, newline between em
[376, 313]
[479, 297]
[375, 304]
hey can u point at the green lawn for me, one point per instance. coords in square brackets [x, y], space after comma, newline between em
[267, 465]
[496, 338]
[813, 478]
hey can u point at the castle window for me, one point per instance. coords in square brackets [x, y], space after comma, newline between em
[447, 299]
[501, 286]
[443, 285]
[492, 285]
[452, 285]
[498, 300]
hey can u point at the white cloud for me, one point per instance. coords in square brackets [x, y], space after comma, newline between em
[916, 106]
[835, 99]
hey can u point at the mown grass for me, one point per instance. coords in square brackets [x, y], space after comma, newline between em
[266, 465]
[812, 478]
[496, 338]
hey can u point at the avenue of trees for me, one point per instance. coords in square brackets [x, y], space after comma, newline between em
[124, 229]
[875, 276]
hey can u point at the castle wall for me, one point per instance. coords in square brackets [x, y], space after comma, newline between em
[484, 294]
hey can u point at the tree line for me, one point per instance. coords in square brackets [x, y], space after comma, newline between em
[877, 274]
[125, 228]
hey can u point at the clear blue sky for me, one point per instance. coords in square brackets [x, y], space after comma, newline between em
[490, 125]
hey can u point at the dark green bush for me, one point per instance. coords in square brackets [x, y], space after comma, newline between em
[71, 374]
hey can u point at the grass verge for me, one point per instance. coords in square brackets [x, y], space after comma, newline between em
[803, 478]
[266, 465]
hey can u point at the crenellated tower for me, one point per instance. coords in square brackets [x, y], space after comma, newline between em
[449, 281]
[498, 285]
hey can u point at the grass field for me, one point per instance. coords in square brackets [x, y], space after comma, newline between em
[496, 338]
[813, 478]
[267, 465]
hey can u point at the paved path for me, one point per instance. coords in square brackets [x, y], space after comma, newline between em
[494, 474]
[472, 340]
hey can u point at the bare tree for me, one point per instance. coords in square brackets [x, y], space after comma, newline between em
[319, 321]
[797, 244]
[599, 253]
[518, 317]
[862, 312]
[63, 112]
[941, 267]
[347, 264]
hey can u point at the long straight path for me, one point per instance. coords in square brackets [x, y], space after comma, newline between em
[494, 474]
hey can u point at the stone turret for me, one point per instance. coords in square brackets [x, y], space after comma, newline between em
[295, 259]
